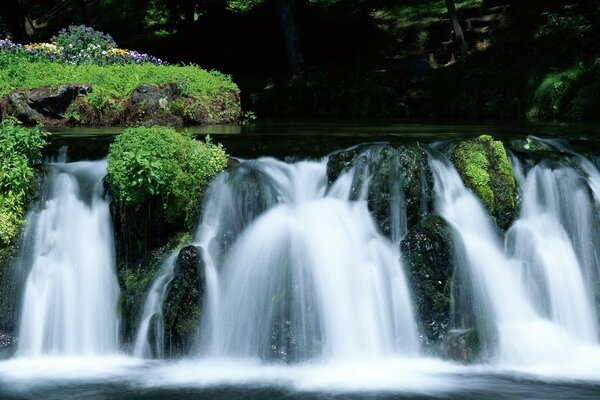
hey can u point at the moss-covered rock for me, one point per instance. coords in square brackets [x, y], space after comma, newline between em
[183, 305]
[428, 252]
[485, 169]
[398, 177]
[157, 176]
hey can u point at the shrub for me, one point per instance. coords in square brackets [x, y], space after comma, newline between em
[163, 166]
[20, 147]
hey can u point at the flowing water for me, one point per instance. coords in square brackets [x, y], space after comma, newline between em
[309, 277]
[70, 297]
[305, 298]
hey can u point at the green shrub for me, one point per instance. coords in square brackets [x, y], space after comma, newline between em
[161, 165]
[20, 147]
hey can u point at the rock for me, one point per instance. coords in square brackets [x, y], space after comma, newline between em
[251, 192]
[151, 105]
[183, 305]
[399, 180]
[428, 252]
[462, 345]
[8, 345]
[485, 169]
[44, 105]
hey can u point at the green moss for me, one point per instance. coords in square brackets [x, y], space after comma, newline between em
[484, 167]
[471, 161]
[163, 166]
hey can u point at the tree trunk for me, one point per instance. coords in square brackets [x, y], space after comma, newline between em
[16, 21]
[458, 33]
[291, 34]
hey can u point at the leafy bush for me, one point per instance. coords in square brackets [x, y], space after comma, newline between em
[20, 147]
[161, 165]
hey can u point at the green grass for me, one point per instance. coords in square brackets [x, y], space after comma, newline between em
[110, 81]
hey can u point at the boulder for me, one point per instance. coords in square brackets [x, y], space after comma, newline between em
[183, 304]
[484, 168]
[462, 345]
[152, 105]
[8, 345]
[44, 105]
[428, 252]
[398, 179]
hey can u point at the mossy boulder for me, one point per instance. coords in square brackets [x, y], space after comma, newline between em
[398, 179]
[157, 176]
[484, 167]
[428, 252]
[183, 304]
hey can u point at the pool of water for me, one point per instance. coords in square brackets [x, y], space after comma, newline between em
[127, 378]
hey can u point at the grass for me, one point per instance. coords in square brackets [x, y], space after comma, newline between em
[110, 81]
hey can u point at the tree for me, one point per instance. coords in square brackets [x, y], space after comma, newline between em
[458, 33]
[17, 23]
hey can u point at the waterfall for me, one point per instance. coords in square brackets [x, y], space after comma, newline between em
[152, 316]
[510, 293]
[307, 275]
[70, 296]
[553, 238]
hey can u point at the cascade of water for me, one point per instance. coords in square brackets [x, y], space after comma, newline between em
[551, 238]
[509, 324]
[70, 296]
[152, 316]
[310, 276]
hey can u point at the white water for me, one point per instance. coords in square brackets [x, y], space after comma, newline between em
[152, 316]
[514, 330]
[70, 297]
[308, 278]
[553, 229]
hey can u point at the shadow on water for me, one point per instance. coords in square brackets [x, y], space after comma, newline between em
[315, 138]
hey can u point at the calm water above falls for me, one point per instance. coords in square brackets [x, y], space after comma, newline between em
[352, 330]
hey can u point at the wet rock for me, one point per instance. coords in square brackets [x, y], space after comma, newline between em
[428, 252]
[8, 345]
[398, 179]
[462, 345]
[251, 193]
[484, 168]
[44, 105]
[183, 305]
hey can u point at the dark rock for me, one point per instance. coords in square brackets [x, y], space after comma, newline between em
[44, 105]
[151, 105]
[398, 177]
[8, 345]
[462, 345]
[183, 305]
[251, 193]
[428, 252]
